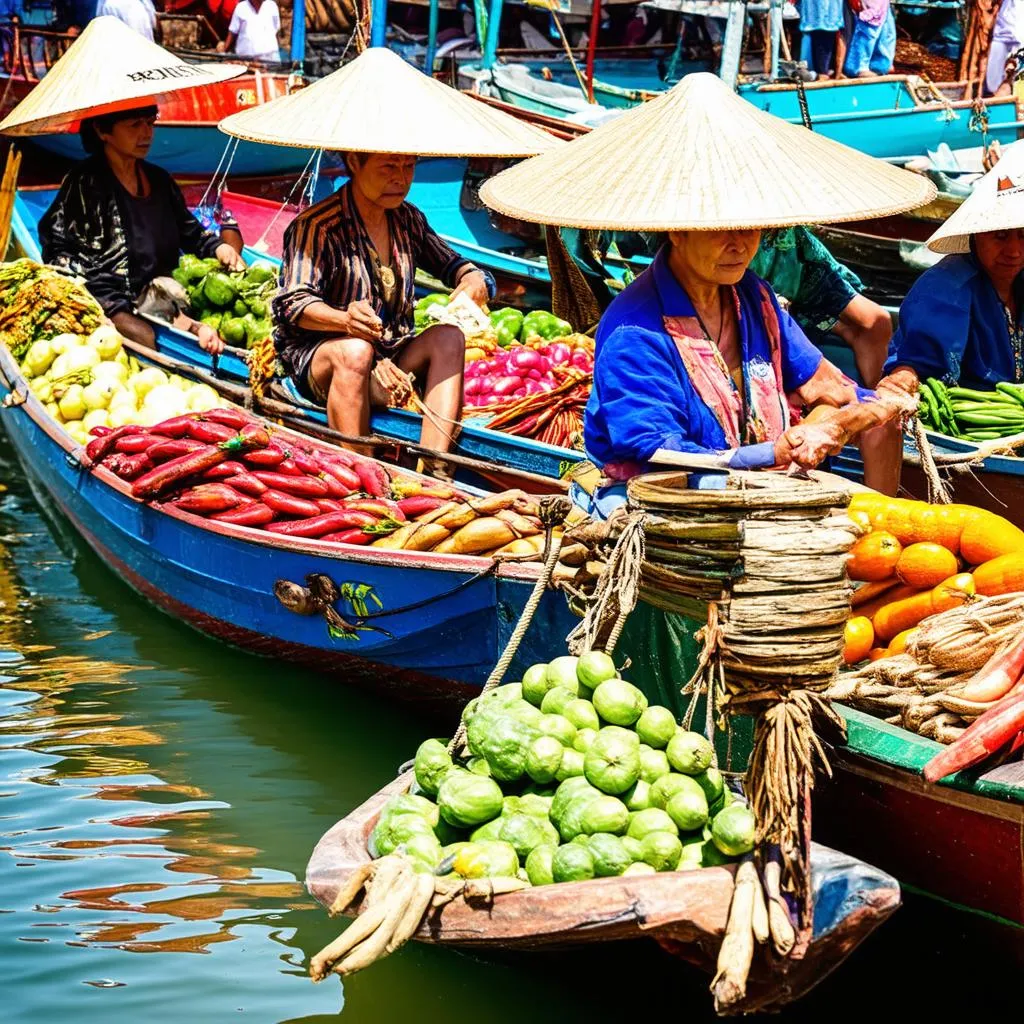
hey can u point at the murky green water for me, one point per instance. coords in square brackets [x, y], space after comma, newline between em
[159, 797]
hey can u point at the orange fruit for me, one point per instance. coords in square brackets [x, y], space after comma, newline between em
[858, 636]
[898, 644]
[874, 556]
[878, 652]
[926, 564]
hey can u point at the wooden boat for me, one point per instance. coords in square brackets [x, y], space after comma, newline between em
[892, 117]
[683, 911]
[960, 841]
[186, 139]
[447, 618]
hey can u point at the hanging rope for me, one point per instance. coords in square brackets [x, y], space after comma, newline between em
[618, 590]
[553, 512]
[938, 492]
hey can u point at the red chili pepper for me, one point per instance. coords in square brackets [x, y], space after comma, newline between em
[345, 476]
[339, 456]
[329, 522]
[350, 537]
[210, 433]
[100, 431]
[335, 489]
[132, 444]
[289, 467]
[176, 426]
[373, 478]
[289, 505]
[301, 486]
[206, 499]
[269, 456]
[128, 467]
[229, 417]
[306, 463]
[252, 513]
[173, 473]
[248, 484]
[224, 471]
[419, 505]
[254, 435]
[174, 448]
[380, 507]
[329, 505]
[100, 447]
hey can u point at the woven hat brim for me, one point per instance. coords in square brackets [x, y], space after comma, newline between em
[380, 104]
[702, 158]
[109, 67]
[995, 204]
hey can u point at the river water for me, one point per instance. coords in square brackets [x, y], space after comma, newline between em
[160, 794]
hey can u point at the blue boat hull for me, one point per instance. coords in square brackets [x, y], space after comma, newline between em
[194, 150]
[221, 580]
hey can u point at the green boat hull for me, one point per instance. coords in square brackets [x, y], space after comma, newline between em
[961, 841]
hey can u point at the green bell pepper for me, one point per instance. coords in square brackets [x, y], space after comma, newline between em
[213, 320]
[219, 289]
[545, 324]
[260, 272]
[433, 299]
[232, 330]
[507, 324]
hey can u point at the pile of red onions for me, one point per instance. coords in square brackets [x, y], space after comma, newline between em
[519, 371]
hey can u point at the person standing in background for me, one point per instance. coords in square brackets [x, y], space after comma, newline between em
[872, 47]
[1006, 39]
[139, 15]
[253, 30]
[821, 21]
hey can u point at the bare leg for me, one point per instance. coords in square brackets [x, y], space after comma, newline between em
[341, 370]
[882, 451]
[135, 329]
[437, 357]
[867, 329]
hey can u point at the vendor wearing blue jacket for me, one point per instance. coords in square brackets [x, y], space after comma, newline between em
[962, 320]
[697, 356]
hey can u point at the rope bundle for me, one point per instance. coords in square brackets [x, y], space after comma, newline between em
[762, 562]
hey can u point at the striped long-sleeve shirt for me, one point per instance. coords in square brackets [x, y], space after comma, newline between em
[327, 258]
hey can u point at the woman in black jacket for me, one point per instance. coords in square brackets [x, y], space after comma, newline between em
[119, 223]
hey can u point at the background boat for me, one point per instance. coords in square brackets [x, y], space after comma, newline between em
[186, 139]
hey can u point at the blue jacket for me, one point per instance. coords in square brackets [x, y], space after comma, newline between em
[953, 327]
[642, 398]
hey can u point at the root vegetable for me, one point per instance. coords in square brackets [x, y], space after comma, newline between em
[479, 535]
[300, 486]
[251, 513]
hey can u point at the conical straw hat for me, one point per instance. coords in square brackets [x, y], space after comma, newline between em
[109, 67]
[996, 204]
[701, 158]
[380, 104]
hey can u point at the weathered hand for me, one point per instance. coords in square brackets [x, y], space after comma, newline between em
[229, 257]
[474, 286]
[362, 321]
[209, 340]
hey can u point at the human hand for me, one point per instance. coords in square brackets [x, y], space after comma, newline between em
[229, 257]
[209, 340]
[473, 285]
[222, 47]
[902, 381]
[362, 321]
[784, 446]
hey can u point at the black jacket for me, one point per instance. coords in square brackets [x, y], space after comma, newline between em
[83, 231]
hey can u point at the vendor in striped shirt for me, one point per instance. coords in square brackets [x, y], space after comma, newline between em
[347, 295]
